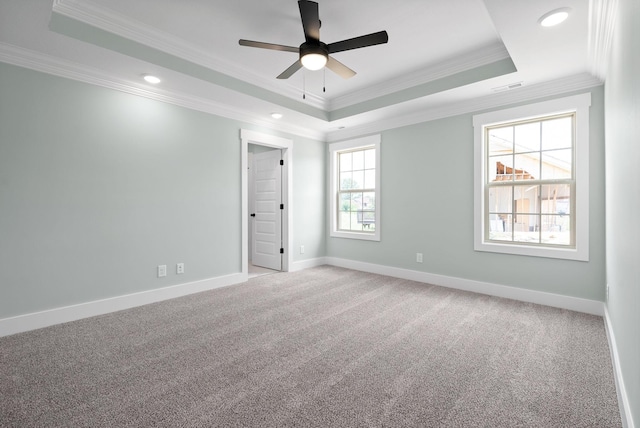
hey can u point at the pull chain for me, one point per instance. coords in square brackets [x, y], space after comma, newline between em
[304, 85]
[324, 79]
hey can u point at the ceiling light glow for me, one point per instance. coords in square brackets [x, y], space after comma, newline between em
[276, 115]
[151, 79]
[554, 17]
[313, 61]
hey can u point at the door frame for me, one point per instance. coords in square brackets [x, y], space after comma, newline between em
[286, 145]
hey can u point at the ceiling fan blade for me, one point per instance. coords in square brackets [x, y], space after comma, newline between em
[289, 71]
[271, 46]
[310, 20]
[359, 42]
[339, 68]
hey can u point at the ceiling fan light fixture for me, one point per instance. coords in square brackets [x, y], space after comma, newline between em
[313, 61]
[554, 17]
[314, 56]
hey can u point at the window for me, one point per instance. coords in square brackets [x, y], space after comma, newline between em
[531, 178]
[355, 188]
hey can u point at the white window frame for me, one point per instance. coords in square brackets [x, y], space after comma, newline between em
[580, 105]
[334, 149]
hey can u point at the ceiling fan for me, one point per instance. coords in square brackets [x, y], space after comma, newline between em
[314, 54]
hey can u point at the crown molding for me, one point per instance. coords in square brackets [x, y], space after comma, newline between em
[99, 17]
[458, 64]
[48, 64]
[602, 18]
[64, 68]
[523, 94]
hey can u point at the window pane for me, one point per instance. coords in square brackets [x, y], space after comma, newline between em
[556, 199]
[358, 160]
[345, 161]
[369, 201]
[346, 181]
[370, 179]
[356, 201]
[527, 167]
[556, 133]
[356, 225]
[500, 168]
[500, 199]
[526, 228]
[527, 137]
[344, 202]
[526, 199]
[370, 159]
[344, 220]
[556, 230]
[556, 164]
[358, 180]
[500, 227]
[500, 141]
[367, 219]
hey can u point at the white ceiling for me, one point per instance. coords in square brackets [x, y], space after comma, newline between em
[443, 57]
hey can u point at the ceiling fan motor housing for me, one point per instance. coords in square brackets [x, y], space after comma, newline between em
[317, 48]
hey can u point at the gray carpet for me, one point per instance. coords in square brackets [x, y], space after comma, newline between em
[324, 347]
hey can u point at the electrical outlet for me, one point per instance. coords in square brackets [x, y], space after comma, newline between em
[419, 257]
[301, 249]
[162, 271]
[180, 268]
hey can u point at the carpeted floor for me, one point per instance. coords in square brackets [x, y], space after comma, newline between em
[323, 347]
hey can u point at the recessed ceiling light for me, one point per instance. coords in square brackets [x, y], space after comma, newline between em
[151, 79]
[276, 115]
[554, 17]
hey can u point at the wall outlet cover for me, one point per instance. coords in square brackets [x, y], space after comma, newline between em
[162, 271]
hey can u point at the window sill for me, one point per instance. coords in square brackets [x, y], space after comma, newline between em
[526, 250]
[356, 235]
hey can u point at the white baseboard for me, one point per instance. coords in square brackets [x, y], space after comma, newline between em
[306, 264]
[64, 314]
[548, 299]
[623, 399]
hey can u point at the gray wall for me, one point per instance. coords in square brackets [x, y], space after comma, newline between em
[622, 103]
[427, 206]
[98, 187]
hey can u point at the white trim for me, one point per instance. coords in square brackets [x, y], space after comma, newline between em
[578, 103]
[458, 64]
[97, 16]
[44, 63]
[623, 398]
[64, 314]
[523, 94]
[306, 264]
[100, 17]
[602, 19]
[372, 140]
[48, 64]
[577, 304]
[253, 137]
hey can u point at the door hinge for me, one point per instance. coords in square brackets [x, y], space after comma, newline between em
[281, 250]
[281, 206]
[281, 162]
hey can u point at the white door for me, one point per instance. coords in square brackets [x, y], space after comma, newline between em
[267, 222]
